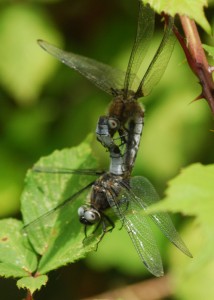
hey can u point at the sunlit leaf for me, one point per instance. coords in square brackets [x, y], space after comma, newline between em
[58, 237]
[191, 193]
[32, 283]
[16, 255]
[190, 8]
[194, 279]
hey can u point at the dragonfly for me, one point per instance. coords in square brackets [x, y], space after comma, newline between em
[127, 196]
[125, 114]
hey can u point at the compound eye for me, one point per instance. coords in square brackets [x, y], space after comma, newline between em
[92, 216]
[113, 123]
[81, 211]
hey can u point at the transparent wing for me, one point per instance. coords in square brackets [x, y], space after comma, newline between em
[64, 204]
[45, 210]
[159, 62]
[145, 195]
[138, 228]
[103, 76]
[53, 224]
[145, 30]
[55, 170]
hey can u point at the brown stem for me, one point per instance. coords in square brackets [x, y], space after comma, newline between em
[197, 59]
[29, 296]
[194, 42]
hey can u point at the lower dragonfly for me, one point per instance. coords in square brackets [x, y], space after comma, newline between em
[128, 197]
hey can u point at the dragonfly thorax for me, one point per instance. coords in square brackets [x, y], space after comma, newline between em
[123, 109]
[104, 189]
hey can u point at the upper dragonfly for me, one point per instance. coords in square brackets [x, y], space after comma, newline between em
[125, 114]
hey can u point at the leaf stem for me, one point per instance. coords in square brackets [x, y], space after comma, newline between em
[29, 296]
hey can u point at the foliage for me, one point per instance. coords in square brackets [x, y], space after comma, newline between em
[191, 193]
[45, 106]
[209, 49]
[57, 237]
[17, 257]
[190, 8]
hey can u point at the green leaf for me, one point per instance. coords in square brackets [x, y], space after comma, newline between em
[58, 236]
[194, 278]
[191, 8]
[16, 256]
[32, 283]
[209, 49]
[23, 66]
[192, 194]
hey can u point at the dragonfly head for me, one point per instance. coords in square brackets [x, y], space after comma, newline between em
[88, 215]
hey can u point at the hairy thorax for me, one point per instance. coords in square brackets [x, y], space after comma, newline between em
[126, 108]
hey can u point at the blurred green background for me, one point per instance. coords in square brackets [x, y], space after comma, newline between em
[44, 106]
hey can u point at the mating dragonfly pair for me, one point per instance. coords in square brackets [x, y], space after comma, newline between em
[127, 196]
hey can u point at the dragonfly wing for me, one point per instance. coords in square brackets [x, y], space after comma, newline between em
[145, 30]
[46, 217]
[159, 62]
[139, 230]
[103, 76]
[146, 195]
[54, 170]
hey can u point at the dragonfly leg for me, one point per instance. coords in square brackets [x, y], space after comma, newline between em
[110, 223]
[106, 222]
[123, 133]
[85, 232]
